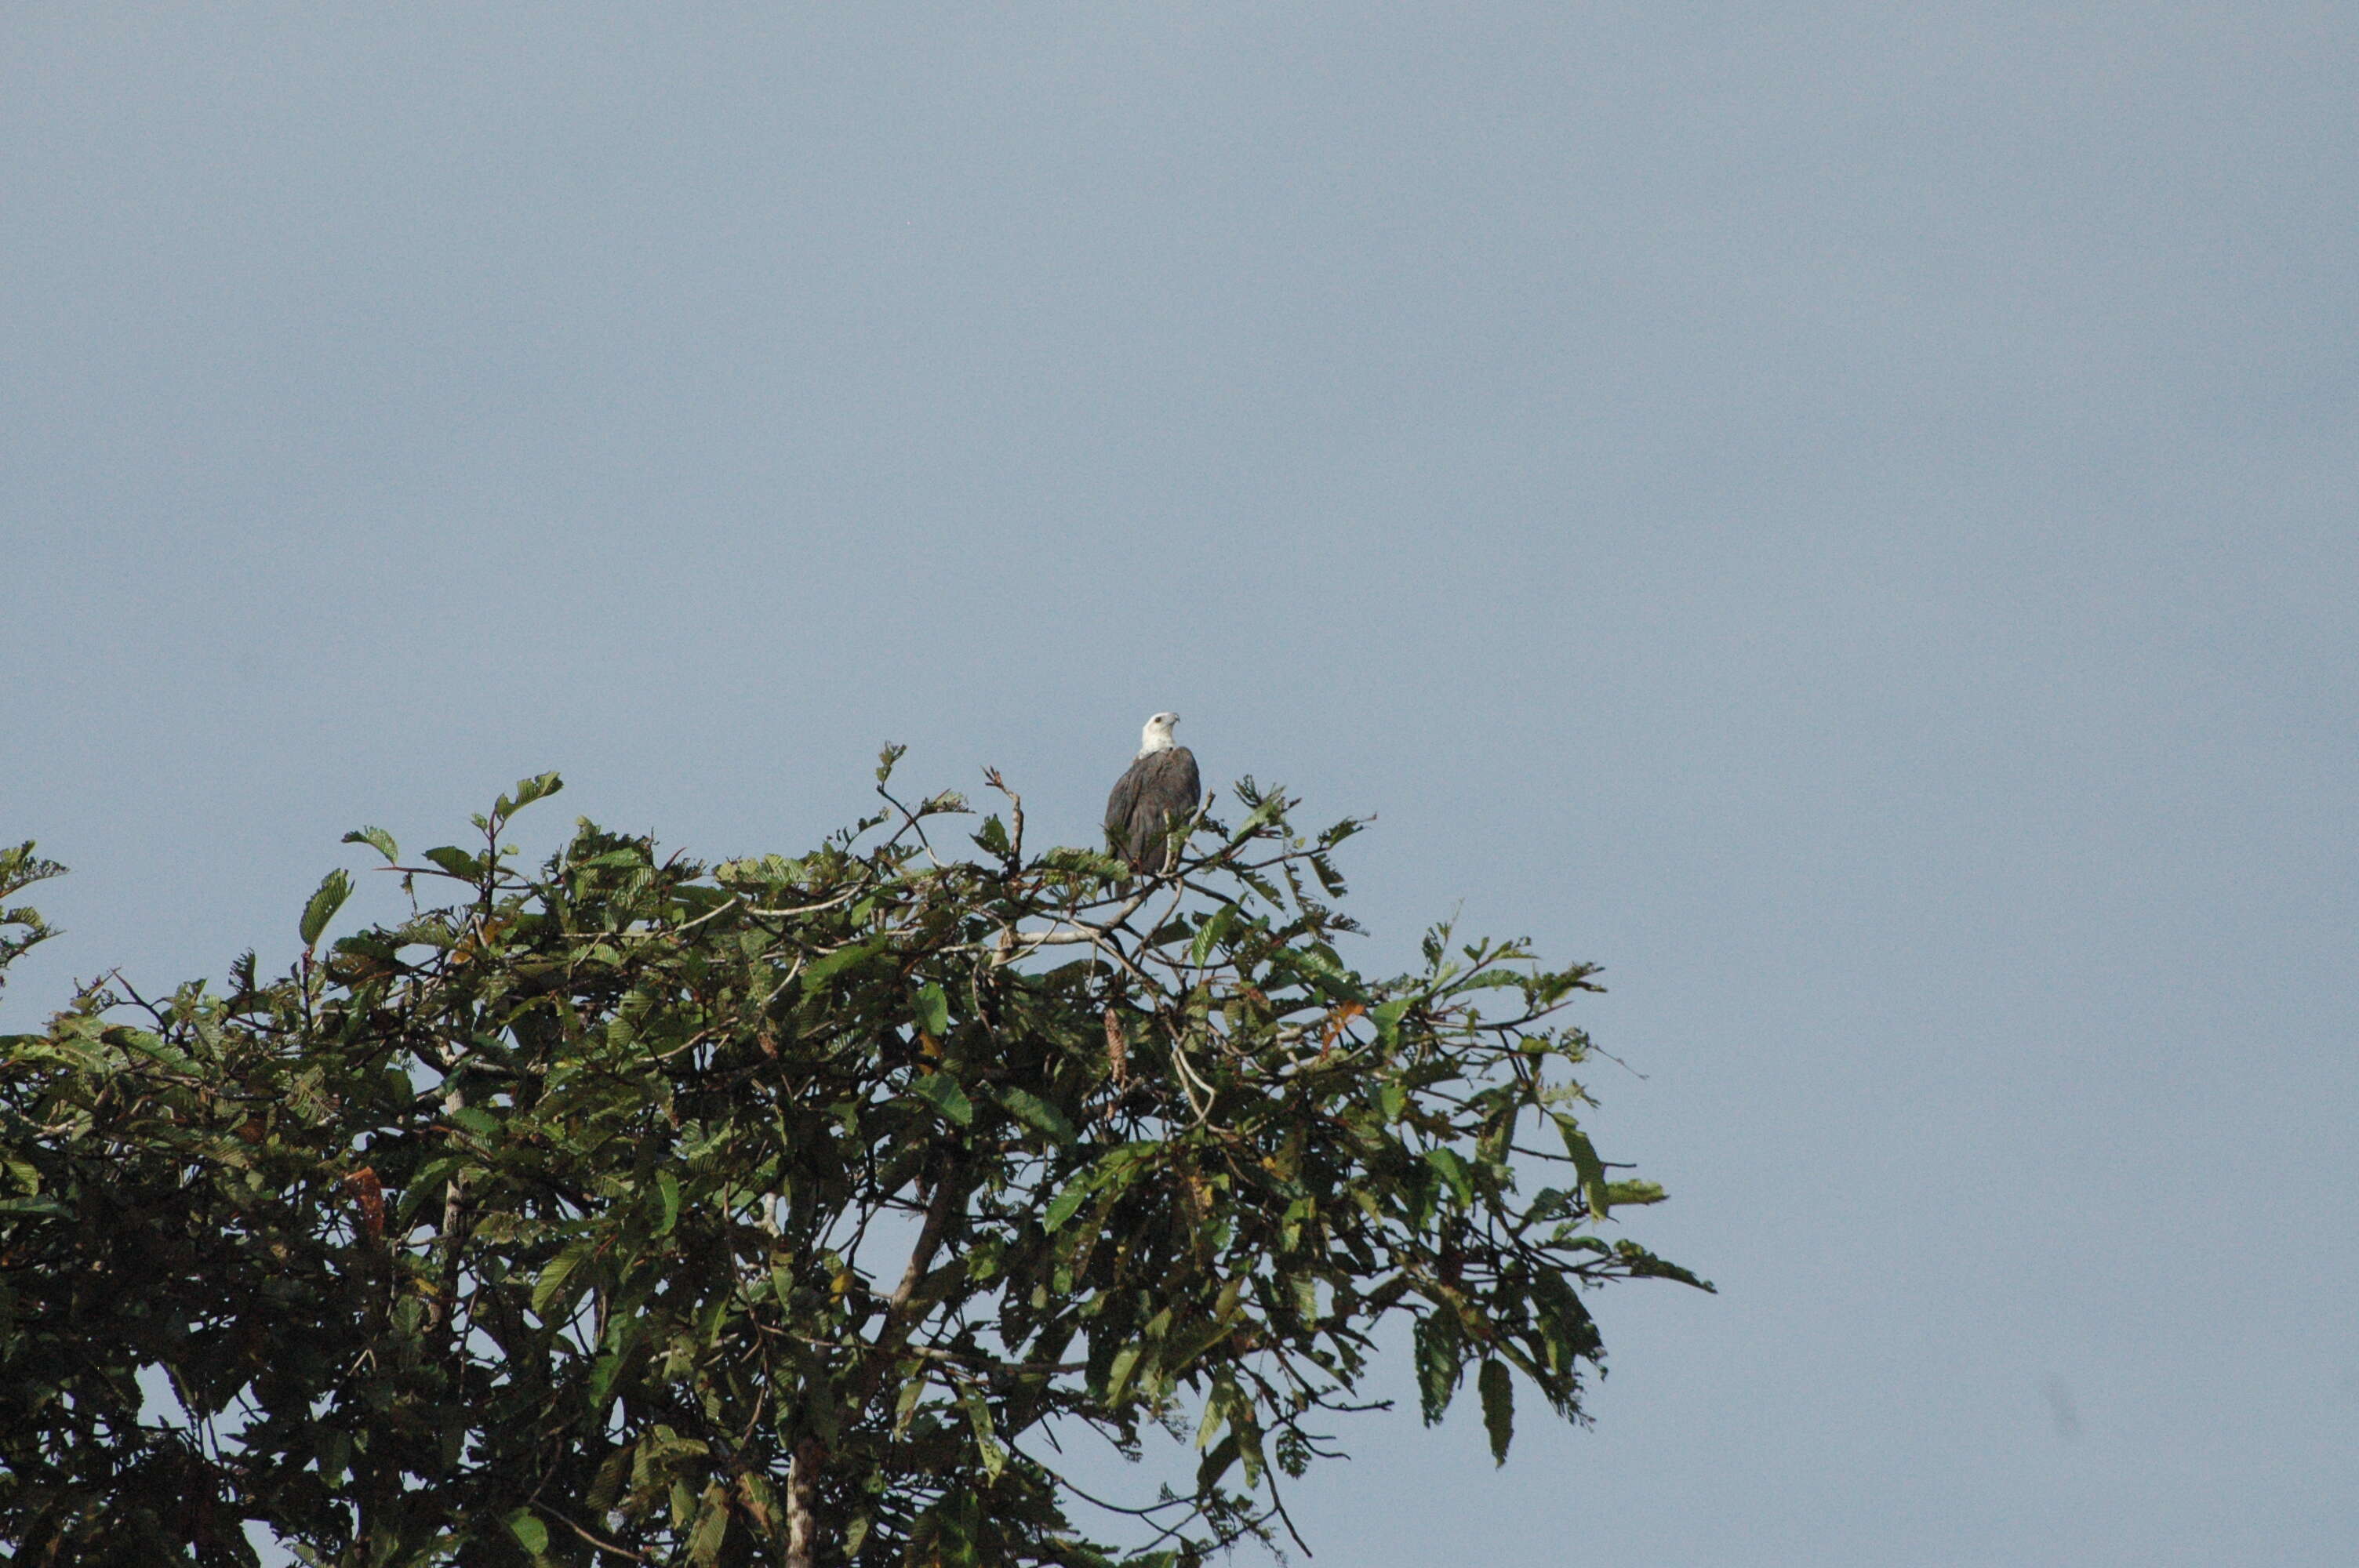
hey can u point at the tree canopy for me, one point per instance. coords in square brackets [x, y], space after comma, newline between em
[794, 1210]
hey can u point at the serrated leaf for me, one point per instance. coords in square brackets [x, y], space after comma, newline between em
[377, 838]
[477, 1120]
[1585, 1163]
[1498, 1406]
[986, 1442]
[942, 1092]
[1062, 1206]
[835, 963]
[906, 1406]
[1216, 925]
[1435, 1339]
[1036, 1112]
[1448, 1164]
[1249, 1446]
[527, 791]
[1125, 1361]
[1217, 1462]
[456, 861]
[606, 1369]
[152, 1046]
[1319, 965]
[1093, 863]
[334, 888]
[529, 1532]
[607, 1484]
[556, 1273]
[712, 1526]
[1643, 1264]
[1552, 1203]
[933, 1010]
[1491, 980]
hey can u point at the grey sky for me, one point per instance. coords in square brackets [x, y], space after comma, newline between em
[1842, 514]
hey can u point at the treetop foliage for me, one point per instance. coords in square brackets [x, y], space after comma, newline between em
[798, 1210]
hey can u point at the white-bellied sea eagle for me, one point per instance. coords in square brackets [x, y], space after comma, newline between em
[1158, 793]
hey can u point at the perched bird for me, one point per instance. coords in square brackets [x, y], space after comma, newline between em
[1159, 791]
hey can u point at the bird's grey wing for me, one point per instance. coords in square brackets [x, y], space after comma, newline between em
[1167, 797]
[1186, 783]
[1122, 804]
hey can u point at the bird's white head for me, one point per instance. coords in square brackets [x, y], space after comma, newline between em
[1157, 736]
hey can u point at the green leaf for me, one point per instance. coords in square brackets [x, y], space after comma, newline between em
[1451, 1168]
[712, 1526]
[1062, 1208]
[1435, 1340]
[667, 1190]
[1033, 1112]
[1552, 1203]
[1320, 966]
[816, 977]
[1088, 862]
[1217, 1462]
[933, 1010]
[906, 1405]
[1498, 1406]
[527, 791]
[1644, 1264]
[559, 1270]
[1585, 1163]
[477, 1120]
[942, 1092]
[377, 838]
[1563, 1321]
[456, 861]
[20, 867]
[1125, 1361]
[986, 1443]
[993, 839]
[1216, 925]
[334, 888]
[529, 1532]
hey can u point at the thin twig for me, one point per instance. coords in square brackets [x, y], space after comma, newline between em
[602, 1544]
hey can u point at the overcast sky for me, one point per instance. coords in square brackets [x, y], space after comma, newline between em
[1842, 514]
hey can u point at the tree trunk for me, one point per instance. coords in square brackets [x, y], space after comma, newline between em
[802, 1518]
